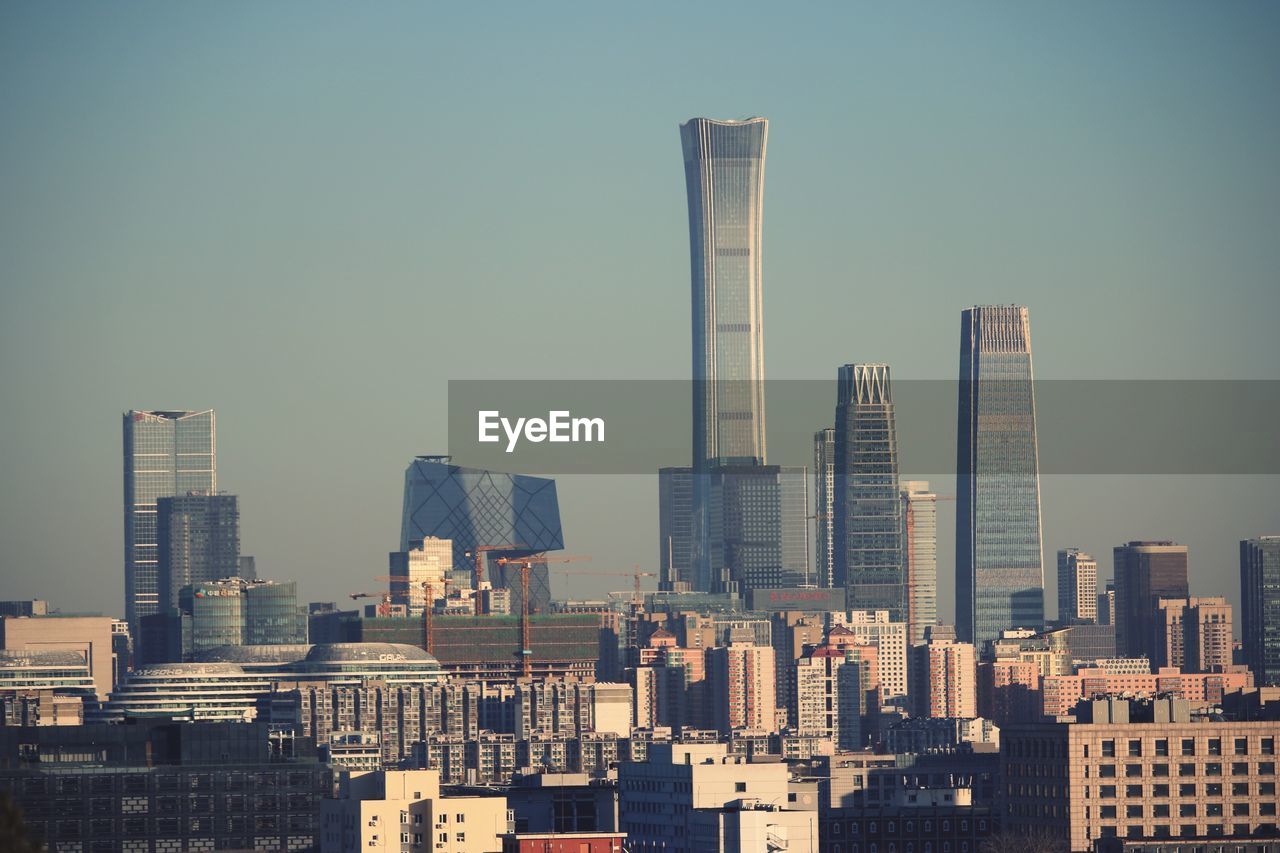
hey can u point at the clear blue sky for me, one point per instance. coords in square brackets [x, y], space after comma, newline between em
[310, 216]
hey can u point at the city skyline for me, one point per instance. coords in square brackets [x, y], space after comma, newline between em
[810, 195]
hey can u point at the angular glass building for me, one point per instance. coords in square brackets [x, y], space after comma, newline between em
[999, 560]
[867, 506]
[514, 514]
[165, 454]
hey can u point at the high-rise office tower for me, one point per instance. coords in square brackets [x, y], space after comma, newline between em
[197, 539]
[513, 514]
[758, 527]
[1077, 587]
[824, 479]
[1193, 634]
[724, 179]
[675, 529]
[999, 562]
[166, 453]
[920, 557]
[868, 508]
[1260, 607]
[1144, 573]
[429, 562]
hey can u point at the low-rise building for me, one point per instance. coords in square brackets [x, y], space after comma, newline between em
[404, 810]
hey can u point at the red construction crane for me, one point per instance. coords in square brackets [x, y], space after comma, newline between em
[636, 598]
[428, 606]
[479, 552]
[524, 564]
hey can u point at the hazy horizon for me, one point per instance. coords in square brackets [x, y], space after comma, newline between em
[311, 217]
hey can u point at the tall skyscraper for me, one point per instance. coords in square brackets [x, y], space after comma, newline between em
[166, 453]
[514, 514]
[1077, 587]
[429, 562]
[1260, 607]
[724, 177]
[868, 508]
[999, 562]
[824, 479]
[1144, 573]
[198, 539]
[920, 552]
[758, 527]
[675, 529]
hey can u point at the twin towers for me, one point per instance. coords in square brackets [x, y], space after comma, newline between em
[732, 523]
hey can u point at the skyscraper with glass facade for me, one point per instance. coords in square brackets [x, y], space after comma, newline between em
[999, 559]
[1144, 573]
[198, 539]
[724, 178]
[675, 529]
[920, 557]
[759, 532]
[166, 453]
[1077, 587]
[1260, 607]
[824, 480]
[513, 514]
[867, 506]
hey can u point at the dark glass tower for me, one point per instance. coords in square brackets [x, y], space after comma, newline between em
[675, 529]
[165, 454]
[198, 539]
[999, 560]
[517, 514]
[867, 507]
[1260, 607]
[1144, 573]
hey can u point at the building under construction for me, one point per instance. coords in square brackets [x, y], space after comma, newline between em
[487, 648]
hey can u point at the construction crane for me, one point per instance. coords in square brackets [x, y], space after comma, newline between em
[479, 552]
[384, 607]
[636, 598]
[525, 564]
[428, 606]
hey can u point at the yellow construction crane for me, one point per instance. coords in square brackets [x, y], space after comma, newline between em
[478, 553]
[428, 605]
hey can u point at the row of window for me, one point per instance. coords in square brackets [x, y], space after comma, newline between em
[1189, 746]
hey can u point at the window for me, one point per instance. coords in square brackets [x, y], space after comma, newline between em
[1268, 746]
[1239, 768]
[1107, 771]
[1135, 747]
[1188, 746]
[1159, 790]
[1108, 749]
[1132, 770]
[1159, 769]
[1242, 746]
[1107, 792]
[1107, 812]
[1186, 810]
[1215, 746]
[1213, 789]
[1186, 790]
[1213, 768]
[1239, 809]
[1186, 770]
[1133, 790]
[1162, 746]
[1213, 810]
[1133, 810]
[1160, 810]
[739, 786]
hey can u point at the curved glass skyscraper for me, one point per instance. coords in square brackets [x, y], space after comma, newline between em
[999, 562]
[724, 177]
